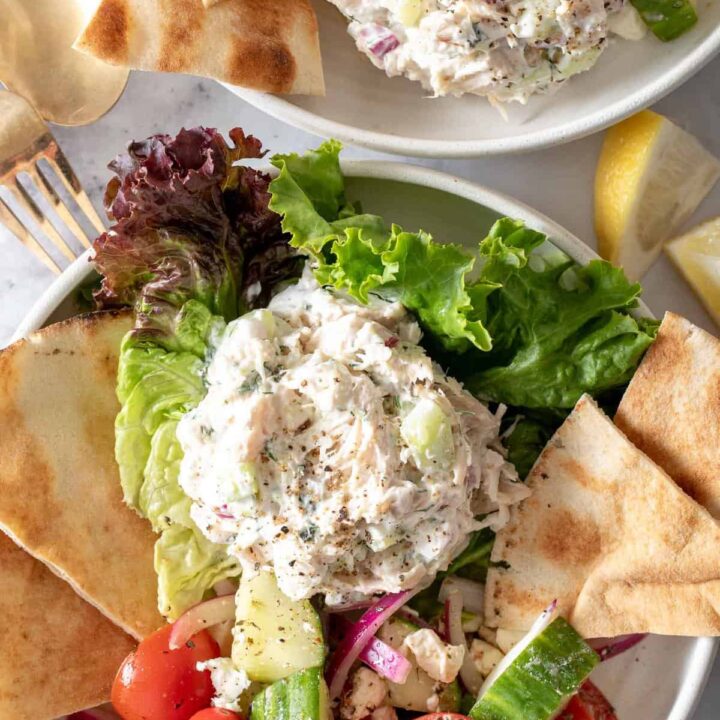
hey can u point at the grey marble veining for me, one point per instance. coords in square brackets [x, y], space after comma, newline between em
[557, 181]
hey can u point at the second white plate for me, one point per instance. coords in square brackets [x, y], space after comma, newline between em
[364, 107]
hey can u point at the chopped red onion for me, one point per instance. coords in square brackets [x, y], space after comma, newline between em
[200, 617]
[379, 40]
[358, 636]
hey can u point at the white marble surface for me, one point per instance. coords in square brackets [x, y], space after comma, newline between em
[557, 181]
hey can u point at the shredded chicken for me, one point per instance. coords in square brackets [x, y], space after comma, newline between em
[503, 49]
[332, 449]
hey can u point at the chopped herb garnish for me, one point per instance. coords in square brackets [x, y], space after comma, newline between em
[308, 534]
[251, 383]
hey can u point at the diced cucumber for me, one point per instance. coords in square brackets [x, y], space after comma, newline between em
[419, 688]
[274, 636]
[428, 432]
[302, 696]
[667, 19]
[410, 12]
[539, 681]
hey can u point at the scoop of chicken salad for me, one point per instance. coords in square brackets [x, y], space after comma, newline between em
[506, 50]
[325, 418]
[332, 449]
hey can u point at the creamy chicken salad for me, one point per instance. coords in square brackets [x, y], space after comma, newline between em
[326, 419]
[505, 50]
[331, 449]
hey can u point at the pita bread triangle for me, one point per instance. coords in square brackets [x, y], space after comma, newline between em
[611, 536]
[267, 45]
[671, 410]
[60, 495]
[60, 654]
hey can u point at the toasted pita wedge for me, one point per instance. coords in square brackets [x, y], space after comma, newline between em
[611, 536]
[671, 410]
[60, 654]
[60, 495]
[268, 45]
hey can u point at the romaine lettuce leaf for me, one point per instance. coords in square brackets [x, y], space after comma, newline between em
[559, 329]
[157, 387]
[187, 566]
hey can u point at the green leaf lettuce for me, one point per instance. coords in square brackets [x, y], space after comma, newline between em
[518, 321]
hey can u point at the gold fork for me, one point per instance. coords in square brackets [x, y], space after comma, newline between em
[25, 140]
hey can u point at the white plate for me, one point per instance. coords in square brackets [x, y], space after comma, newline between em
[662, 678]
[364, 107]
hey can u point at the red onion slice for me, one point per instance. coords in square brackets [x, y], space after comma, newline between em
[380, 657]
[608, 648]
[469, 674]
[473, 593]
[225, 587]
[349, 607]
[200, 617]
[358, 636]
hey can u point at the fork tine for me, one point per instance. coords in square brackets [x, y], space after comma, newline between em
[13, 223]
[50, 194]
[45, 225]
[58, 162]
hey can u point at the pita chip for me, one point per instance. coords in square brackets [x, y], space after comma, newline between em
[60, 655]
[671, 410]
[267, 45]
[608, 534]
[60, 495]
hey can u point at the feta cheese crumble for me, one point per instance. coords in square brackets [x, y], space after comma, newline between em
[439, 660]
[230, 683]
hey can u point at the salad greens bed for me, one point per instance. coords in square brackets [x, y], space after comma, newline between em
[199, 241]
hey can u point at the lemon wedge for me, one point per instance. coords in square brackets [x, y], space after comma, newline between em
[697, 256]
[650, 178]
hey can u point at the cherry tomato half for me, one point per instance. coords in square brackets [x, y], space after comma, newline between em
[156, 683]
[588, 704]
[216, 714]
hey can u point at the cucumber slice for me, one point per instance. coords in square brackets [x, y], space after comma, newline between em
[274, 636]
[539, 680]
[419, 688]
[302, 696]
[667, 19]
